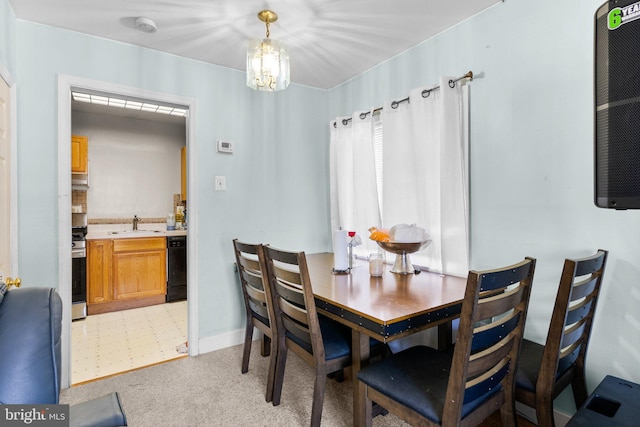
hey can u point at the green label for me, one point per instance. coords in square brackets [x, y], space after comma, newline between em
[623, 15]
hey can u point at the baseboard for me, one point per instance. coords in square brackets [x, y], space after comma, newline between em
[218, 342]
[228, 339]
[560, 418]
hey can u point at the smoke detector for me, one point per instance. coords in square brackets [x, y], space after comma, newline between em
[146, 25]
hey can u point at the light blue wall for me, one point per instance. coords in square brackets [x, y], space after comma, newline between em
[277, 187]
[7, 37]
[531, 157]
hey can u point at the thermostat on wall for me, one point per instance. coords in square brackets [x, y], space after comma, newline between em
[225, 146]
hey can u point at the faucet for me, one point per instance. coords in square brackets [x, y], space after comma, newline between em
[136, 220]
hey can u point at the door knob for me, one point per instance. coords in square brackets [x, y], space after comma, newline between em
[13, 282]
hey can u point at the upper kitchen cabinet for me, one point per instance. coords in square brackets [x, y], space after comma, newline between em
[183, 172]
[79, 154]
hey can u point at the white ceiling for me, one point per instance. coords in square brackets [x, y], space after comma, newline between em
[330, 41]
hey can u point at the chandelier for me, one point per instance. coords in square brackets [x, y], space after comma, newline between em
[267, 60]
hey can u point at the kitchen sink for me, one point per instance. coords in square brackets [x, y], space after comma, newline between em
[135, 232]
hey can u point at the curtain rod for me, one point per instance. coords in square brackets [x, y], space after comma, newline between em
[394, 104]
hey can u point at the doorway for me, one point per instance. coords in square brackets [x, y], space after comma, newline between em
[65, 85]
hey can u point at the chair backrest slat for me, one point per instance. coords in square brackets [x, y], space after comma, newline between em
[490, 334]
[290, 292]
[567, 358]
[574, 333]
[490, 357]
[584, 288]
[579, 311]
[491, 379]
[498, 304]
[287, 276]
[501, 278]
[293, 311]
[249, 264]
[300, 331]
[254, 289]
[590, 265]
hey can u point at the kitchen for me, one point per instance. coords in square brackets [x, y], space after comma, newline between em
[128, 194]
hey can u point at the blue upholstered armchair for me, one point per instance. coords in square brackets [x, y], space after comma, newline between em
[30, 327]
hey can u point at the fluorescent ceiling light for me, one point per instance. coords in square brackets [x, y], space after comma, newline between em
[128, 104]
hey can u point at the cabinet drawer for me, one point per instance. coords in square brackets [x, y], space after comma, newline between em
[139, 244]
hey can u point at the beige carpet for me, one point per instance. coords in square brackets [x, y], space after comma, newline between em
[209, 390]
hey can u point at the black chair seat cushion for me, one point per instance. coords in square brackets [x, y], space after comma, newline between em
[529, 363]
[336, 338]
[420, 386]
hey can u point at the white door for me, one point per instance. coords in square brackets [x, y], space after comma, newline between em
[5, 180]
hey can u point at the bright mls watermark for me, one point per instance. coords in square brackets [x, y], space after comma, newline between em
[34, 415]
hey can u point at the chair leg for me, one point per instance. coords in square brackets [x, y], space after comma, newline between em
[337, 375]
[363, 417]
[265, 345]
[319, 388]
[579, 388]
[246, 353]
[508, 413]
[281, 361]
[273, 360]
[544, 412]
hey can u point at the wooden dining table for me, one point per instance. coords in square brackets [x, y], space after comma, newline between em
[384, 308]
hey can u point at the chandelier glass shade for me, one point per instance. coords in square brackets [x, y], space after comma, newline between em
[267, 60]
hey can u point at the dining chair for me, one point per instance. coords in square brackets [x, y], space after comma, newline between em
[464, 385]
[545, 371]
[321, 342]
[258, 306]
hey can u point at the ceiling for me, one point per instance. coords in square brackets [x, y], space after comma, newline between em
[330, 41]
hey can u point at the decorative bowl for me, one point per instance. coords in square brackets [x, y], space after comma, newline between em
[402, 250]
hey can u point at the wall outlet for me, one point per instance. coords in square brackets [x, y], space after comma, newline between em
[220, 183]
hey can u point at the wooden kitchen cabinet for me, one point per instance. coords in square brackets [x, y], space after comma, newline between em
[99, 271]
[139, 268]
[125, 273]
[79, 154]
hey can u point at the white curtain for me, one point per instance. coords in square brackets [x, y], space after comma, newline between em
[354, 196]
[424, 170]
[425, 173]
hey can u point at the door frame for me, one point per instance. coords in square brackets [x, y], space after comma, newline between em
[13, 156]
[65, 84]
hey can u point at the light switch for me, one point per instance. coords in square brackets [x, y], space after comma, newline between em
[221, 183]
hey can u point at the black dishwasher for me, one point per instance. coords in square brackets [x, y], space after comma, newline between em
[176, 268]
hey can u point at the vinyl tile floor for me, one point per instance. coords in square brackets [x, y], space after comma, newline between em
[107, 344]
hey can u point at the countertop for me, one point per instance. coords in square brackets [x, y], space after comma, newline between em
[124, 231]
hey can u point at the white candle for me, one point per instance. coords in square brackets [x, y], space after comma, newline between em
[376, 264]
